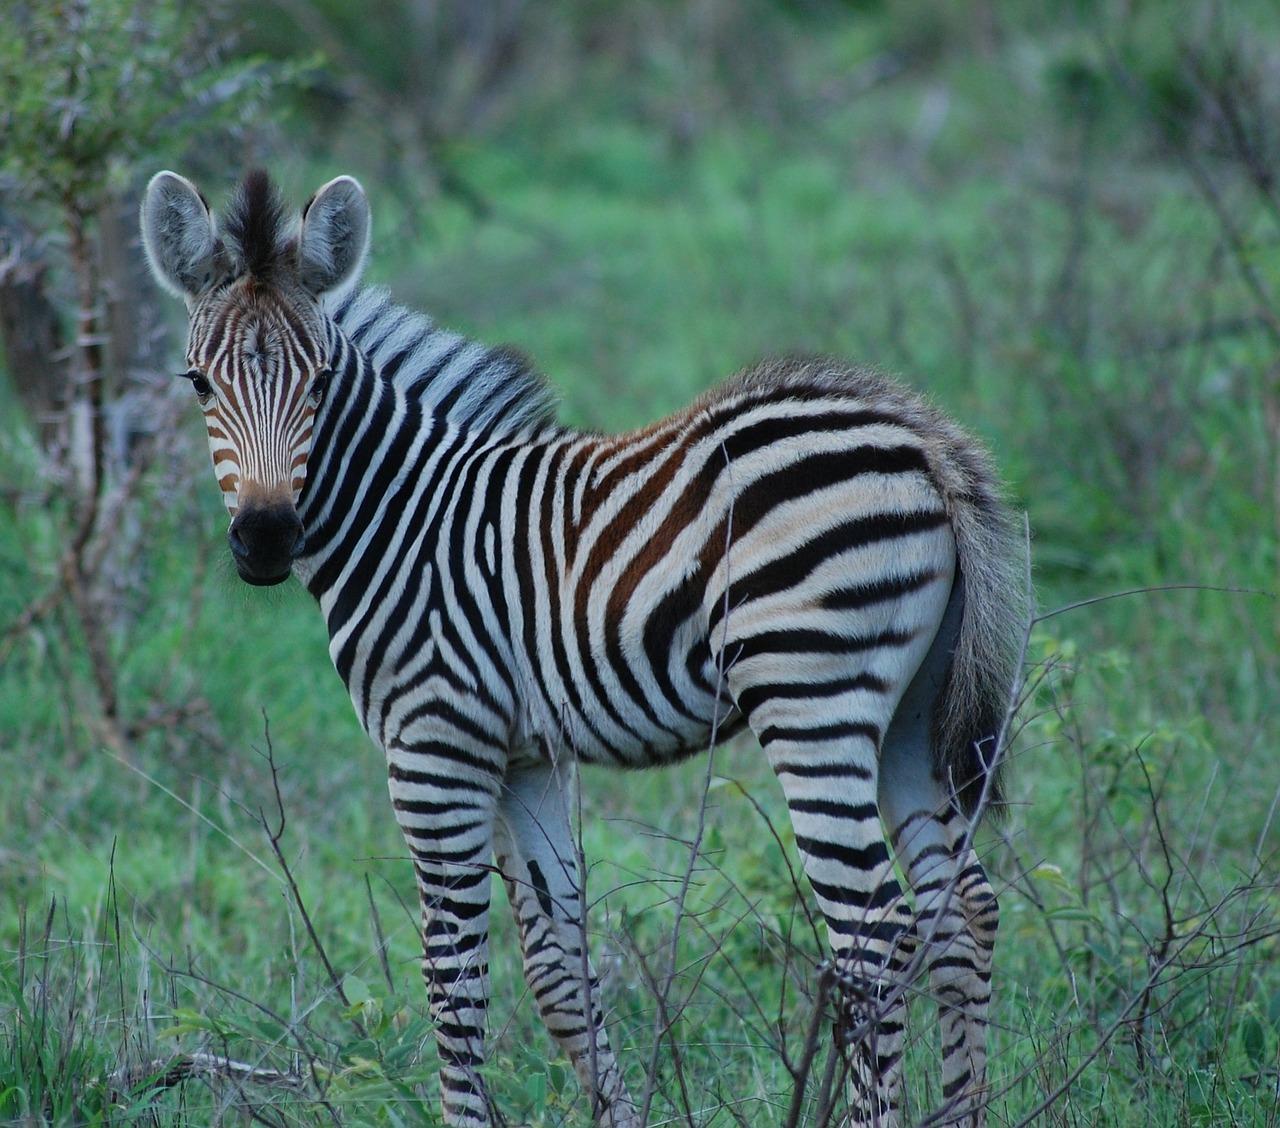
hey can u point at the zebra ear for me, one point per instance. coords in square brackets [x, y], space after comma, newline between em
[179, 235]
[333, 244]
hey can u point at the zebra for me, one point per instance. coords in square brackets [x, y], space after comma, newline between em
[809, 550]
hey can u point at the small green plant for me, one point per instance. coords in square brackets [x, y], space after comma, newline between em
[1107, 327]
[90, 92]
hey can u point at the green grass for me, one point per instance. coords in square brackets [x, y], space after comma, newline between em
[1057, 313]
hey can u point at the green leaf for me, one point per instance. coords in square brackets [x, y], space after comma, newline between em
[191, 1022]
[356, 989]
[1071, 914]
[1254, 1040]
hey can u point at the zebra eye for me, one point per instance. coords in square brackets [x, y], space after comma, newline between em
[319, 384]
[203, 388]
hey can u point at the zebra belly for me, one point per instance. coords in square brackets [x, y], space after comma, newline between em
[633, 685]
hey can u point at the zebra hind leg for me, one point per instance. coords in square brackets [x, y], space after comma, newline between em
[870, 1003]
[828, 771]
[957, 916]
[956, 910]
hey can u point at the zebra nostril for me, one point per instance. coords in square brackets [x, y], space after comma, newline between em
[234, 539]
[265, 540]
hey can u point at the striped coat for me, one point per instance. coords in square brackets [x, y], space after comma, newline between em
[809, 550]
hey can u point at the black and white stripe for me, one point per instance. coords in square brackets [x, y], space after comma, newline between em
[808, 550]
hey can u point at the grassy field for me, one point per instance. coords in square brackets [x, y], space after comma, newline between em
[1004, 229]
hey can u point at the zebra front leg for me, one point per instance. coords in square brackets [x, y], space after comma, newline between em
[447, 813]
[535, 853]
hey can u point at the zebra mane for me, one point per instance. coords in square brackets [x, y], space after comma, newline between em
[478, 387]
[256, 228]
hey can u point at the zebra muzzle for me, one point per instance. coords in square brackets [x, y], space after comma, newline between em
[265, 540]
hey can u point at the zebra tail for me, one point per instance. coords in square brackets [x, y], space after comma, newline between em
[971, 716]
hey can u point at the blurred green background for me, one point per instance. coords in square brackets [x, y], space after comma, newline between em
[1060, 219]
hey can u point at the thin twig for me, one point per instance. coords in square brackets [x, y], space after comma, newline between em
[1093, 601]
[665, 1024]
[275, 837]
[812, 1041]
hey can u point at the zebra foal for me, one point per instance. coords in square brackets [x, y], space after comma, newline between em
[808, 550]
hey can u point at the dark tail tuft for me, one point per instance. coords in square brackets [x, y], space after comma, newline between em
[969, 727]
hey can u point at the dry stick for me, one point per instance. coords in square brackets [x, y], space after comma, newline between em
[199, 815]
[184, 1066]
[1183, 943]
[809, 1051]
[769, 1027]
[1246, 148]
[1077, 605]
[827, 1090]
[730, 999]
[1044, 616]
[1168, 933]
[379, 935]
[584, 952]
[651, 979]
[662, 1025]
[1269, 309]
[113, 907]
[1265, 831]
[36, 610]
[799, 1072]
[203, 1062]
[1247, 936]
[275, 837]
[702, 965]
[796, 884]
[166, 1073]
[665, 1024]
[292, 1029]
[1168, 936]
[292, 1026]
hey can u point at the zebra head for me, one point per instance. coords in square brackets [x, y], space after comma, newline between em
[259, 342]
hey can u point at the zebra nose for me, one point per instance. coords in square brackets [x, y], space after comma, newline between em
[264, 541]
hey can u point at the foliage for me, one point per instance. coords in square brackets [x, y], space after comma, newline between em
[91, 89]
[1058, 218]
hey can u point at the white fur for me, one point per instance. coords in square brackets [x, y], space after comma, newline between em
[179, 235]
[333, 241]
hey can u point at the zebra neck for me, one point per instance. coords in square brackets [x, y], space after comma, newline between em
[368, 437]
[407, 403]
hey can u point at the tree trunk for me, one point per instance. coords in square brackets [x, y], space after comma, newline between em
[31, 334]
